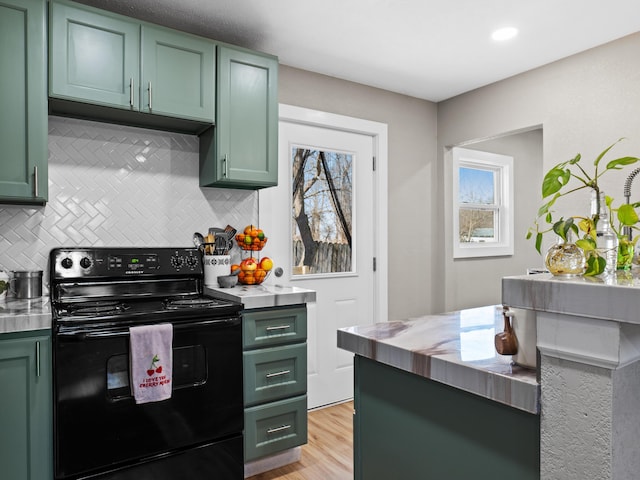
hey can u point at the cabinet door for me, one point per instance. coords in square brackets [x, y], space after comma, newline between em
[246, 132]
[274, 427]
[274, 326]
[274, 373]
[23, 116]
[93, 56]
[25, 407]
[178, 71]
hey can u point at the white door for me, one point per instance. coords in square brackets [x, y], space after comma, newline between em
[345, 298]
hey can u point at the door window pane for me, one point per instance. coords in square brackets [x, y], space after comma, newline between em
[322, 216]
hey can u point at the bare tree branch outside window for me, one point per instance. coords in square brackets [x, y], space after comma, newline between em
[322, 211]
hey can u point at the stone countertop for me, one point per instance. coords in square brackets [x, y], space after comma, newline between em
[456, 349]
[262, 296]
[608, 298]
[19, 315]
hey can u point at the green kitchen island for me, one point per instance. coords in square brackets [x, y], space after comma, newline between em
[434, 400]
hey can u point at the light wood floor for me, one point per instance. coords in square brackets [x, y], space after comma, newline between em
[329, 453]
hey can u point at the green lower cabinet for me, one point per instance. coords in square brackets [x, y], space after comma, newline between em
[275, 380]
[274, 427]
[23, 97]
[26, 451]
[409, 427]
[242, 150]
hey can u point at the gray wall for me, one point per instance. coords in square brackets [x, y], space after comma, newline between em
[477, 280]
[412, 182]
[583, 103]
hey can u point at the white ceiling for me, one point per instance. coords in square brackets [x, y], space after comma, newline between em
[431, 49]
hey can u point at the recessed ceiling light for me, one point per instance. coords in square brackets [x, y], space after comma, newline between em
[503, 34]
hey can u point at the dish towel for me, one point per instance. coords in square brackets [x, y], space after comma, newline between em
[151, 360]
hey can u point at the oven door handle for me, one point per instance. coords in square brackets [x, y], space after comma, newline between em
[120, 332]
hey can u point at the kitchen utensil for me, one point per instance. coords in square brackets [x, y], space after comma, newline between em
[227, 281]
[505, 342]
[198, 240]
[221, 244]
[210, 241]
[26, 284]
[231, 232]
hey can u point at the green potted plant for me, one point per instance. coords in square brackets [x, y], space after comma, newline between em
[556, 184]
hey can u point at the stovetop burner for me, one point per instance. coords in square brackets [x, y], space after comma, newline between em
[182, 302]
[88, 309]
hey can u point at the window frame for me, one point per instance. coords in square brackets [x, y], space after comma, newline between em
[502, 166]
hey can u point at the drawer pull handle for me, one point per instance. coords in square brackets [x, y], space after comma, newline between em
[131, 98]
[280, 327]
[277, 374]
[279, 429]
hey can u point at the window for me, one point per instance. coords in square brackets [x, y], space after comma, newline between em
[323, 211]
[482, 204]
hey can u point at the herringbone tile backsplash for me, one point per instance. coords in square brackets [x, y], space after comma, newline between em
[113, 185]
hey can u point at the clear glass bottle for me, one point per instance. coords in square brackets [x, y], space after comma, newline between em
[606, 241]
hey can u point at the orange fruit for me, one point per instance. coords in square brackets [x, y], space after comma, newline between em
[234, 267]
[247, 229]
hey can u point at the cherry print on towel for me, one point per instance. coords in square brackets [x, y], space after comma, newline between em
[153, 368]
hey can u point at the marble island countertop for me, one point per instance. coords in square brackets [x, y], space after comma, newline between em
[608, 298]
[262, 296]
[456, 349]
[19, 315]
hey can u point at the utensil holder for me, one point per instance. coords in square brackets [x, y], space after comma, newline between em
[214, 267]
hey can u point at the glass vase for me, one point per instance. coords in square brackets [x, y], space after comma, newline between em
[625, 253]
[565, 259]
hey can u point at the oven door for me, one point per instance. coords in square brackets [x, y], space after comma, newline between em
[99, 427]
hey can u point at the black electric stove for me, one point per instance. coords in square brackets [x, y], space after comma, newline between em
[100, 432]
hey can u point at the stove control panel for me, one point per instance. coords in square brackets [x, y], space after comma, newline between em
[124, 262]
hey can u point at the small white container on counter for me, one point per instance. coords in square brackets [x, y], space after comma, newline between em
[216, 266]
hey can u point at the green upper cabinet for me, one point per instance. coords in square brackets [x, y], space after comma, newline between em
[26, 437]
[99, 59]
[23, 116]
[177, 74]
[93, 56]
[242, 150]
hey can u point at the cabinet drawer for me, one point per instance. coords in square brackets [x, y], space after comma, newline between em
[274, 326]
[274, 427]
[274, 373]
